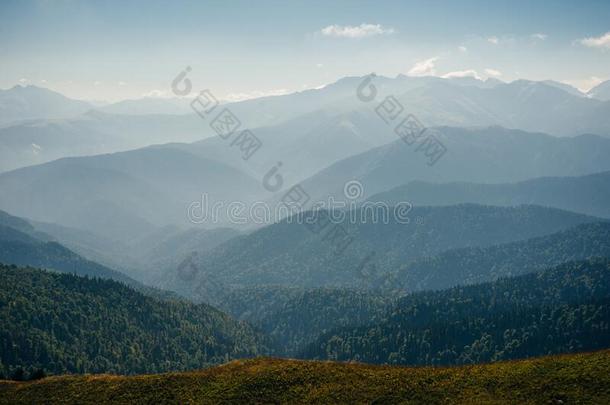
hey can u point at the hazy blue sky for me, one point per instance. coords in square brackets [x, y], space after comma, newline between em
[111, 50]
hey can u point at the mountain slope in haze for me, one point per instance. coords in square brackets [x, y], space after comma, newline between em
[23, 245]
[149, 106]
[21, 103]
[20, 249]
[123, 195]
[110, 253]
[561, 310]
[485, 155]
[576, 378]
[565, 87]
[481, 264]
[289, 254]
[95, 132]
[601, 91]
[521, 104]
[588, 194]
[304, 144]
[141, 258]
[144, 257]
[21, 225]
[68, 324]
[549, 107]
[328, 112]
[307, 138]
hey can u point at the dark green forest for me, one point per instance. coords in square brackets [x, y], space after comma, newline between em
[295, 317]
[68, 324]
[560, 310]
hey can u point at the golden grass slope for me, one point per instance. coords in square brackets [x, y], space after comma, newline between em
[578, 378]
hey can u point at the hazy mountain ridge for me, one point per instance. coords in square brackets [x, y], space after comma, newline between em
[23, 243]
[601, 91]
[135, 188]
[532, 106]
[483, 264]
[92, 133]
[21, 103]
[485, 155]
[288, 254]
[589, 194]
[122, 195]
[22, 249]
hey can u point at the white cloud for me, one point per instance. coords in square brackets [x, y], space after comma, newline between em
[122, 84]
[462, 73]
[156, 93]
[97, 83]
[493, 72]
[539, 36]
[493, 40]
[255, 94]
[351, 31]
[462, 48]
[23, 80]
[423, 68]
[597, 42]
[319, 65]
[43, 81]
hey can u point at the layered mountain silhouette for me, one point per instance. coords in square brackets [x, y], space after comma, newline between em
[588, 194]
[21, 103]
[329, 113]
[291, 254]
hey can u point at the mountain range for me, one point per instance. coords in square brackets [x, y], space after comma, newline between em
[486, 155]
[21, 103]
[49, 126]
[120, 250]
[589, 194]
[296, 316]
[291, 254]
[601, 91]
[123, 194]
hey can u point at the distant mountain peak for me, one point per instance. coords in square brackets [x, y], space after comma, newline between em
[601, 91]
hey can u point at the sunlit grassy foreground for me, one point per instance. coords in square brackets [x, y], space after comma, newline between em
[581, 378]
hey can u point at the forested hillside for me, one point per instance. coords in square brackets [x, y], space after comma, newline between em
[296, 316]
[67, 324]
[561, 310]
[480, 264]
[292, 254]
[293, 317]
